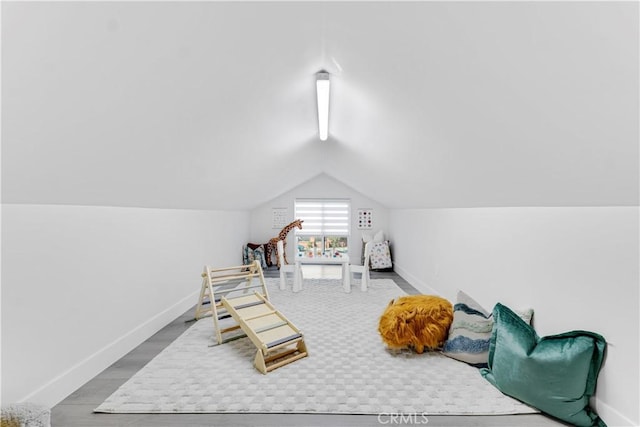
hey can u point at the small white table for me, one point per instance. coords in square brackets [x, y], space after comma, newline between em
[320, 260]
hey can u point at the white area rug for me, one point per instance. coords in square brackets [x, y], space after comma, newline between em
[348, 370]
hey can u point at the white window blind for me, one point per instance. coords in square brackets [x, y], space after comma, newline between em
[323, 216]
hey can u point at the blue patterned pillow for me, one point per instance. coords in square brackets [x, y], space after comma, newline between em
[258, 254]
[245, 255]
[249, 255]
[470, 331]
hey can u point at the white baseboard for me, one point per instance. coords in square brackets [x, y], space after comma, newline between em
[414, 281]
[53, 392]
[612, 417]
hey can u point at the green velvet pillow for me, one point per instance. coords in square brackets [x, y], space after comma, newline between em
[556, 374]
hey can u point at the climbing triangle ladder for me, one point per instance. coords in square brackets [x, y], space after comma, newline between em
[225, 293]
[223, 281]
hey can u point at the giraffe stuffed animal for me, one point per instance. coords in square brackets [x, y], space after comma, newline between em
[273, 243]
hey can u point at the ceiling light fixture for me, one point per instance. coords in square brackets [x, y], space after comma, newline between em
[323, 86]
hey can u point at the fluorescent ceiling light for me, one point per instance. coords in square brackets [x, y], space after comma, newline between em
[323, 85]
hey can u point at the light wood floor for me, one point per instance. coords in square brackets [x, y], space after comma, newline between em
[76, 409]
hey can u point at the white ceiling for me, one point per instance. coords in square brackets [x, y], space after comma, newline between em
[211, 105]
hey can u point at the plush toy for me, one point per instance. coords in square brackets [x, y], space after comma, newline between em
[416, 321]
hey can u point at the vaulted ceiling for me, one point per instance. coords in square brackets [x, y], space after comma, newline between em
[211, 105]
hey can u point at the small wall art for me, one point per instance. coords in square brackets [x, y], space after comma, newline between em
[365, 219]
[279, 217]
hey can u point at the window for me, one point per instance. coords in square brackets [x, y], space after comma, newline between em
[325, 230]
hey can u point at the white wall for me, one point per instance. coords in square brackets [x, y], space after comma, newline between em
[321, 186]
[577, 267]
[82, 286]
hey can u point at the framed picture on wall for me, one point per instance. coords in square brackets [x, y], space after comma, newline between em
[365, 219]
[279, 217]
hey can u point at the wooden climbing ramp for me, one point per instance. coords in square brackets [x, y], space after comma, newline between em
[225, 293]
[278, 341]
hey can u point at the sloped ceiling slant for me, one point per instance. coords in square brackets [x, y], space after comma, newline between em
[210, 105]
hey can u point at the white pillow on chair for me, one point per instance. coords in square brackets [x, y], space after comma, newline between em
[368, 237]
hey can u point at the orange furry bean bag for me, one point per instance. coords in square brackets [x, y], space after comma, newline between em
[418, 321]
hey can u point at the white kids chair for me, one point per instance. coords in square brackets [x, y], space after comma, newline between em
[285, 268]
[364, 268]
